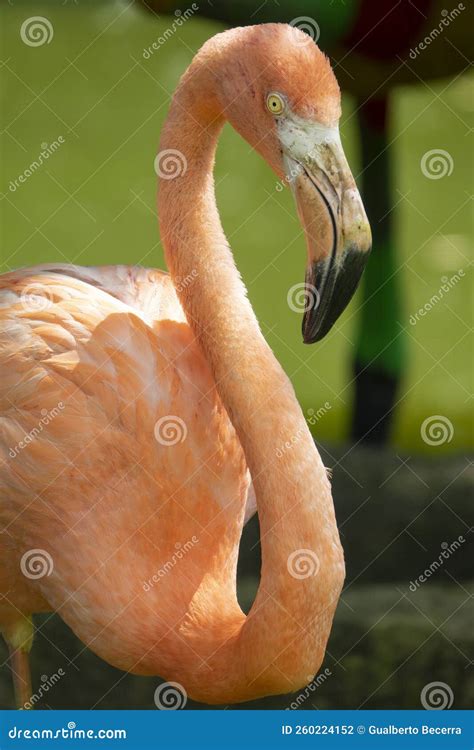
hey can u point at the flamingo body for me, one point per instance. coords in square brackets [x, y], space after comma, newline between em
[96, 489]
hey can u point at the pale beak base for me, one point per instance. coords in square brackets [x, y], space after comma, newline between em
[337, 232]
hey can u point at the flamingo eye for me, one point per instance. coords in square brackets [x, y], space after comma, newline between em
[275, 104]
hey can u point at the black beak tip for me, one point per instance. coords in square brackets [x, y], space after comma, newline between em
[317, 332]
[312, 339]
[336, 288]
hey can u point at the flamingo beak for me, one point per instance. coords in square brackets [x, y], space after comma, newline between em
[337, 231]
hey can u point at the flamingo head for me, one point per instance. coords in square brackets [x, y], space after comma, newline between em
[277, 89]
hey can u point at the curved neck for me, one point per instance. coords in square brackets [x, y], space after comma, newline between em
[280, 645]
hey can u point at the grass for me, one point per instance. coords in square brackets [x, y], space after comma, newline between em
[93, 202]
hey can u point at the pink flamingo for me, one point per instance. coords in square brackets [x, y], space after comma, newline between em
[137, 408]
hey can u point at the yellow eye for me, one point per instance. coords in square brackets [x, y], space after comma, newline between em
[275, 104]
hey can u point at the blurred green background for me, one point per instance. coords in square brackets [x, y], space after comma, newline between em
[93, 201]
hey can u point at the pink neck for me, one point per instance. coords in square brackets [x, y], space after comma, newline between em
[280, 645]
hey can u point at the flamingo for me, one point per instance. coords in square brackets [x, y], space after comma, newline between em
[138, 427]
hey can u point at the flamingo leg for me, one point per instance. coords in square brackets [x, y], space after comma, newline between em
[20, 667]
[19, 638]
